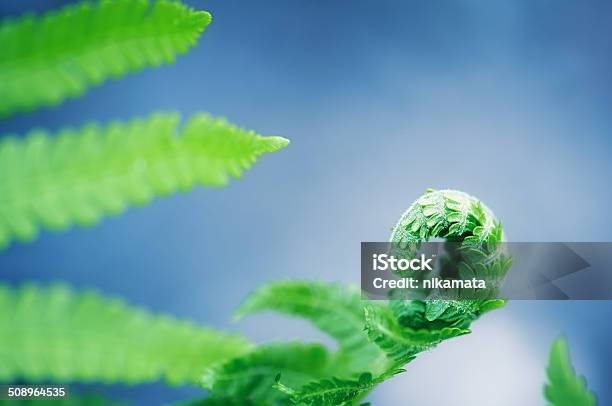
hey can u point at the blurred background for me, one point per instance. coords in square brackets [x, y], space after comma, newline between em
[508, 101]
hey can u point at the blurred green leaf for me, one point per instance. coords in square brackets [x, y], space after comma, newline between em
[80, 176]
[59, 55]
[564, 387]
[51, 334]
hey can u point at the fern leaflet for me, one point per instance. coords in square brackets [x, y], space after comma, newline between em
[564, 388]
[49, 58]
[80, 176]
[250, 377]
[334, 309]
[438, 314]
[402, 343]
[50, 334]
[334, 391]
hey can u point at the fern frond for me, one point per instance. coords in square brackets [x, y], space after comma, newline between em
[50, 334]
[564, 387]
[437, 314]
[402, 343]
[80, 176]
[335, 309]
[251, 376]
[47, 59]
[333, 391]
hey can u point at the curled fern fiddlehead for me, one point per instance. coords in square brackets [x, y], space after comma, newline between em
[79, 176]
[458, 217]
[47, 59]
[401, 329]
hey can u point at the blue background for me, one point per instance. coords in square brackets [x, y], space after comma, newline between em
[509, 101]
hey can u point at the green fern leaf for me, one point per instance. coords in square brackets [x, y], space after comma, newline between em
[251, 376]
[333, 391]
[47, 59]
[438, 314]
[402, 343]
[334, 309]
[564, 387]
[50, 334]
[80, 176]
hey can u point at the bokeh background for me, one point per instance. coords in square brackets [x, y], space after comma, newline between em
[507, 100]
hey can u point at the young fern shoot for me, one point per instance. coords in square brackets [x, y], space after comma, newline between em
[376, 339]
